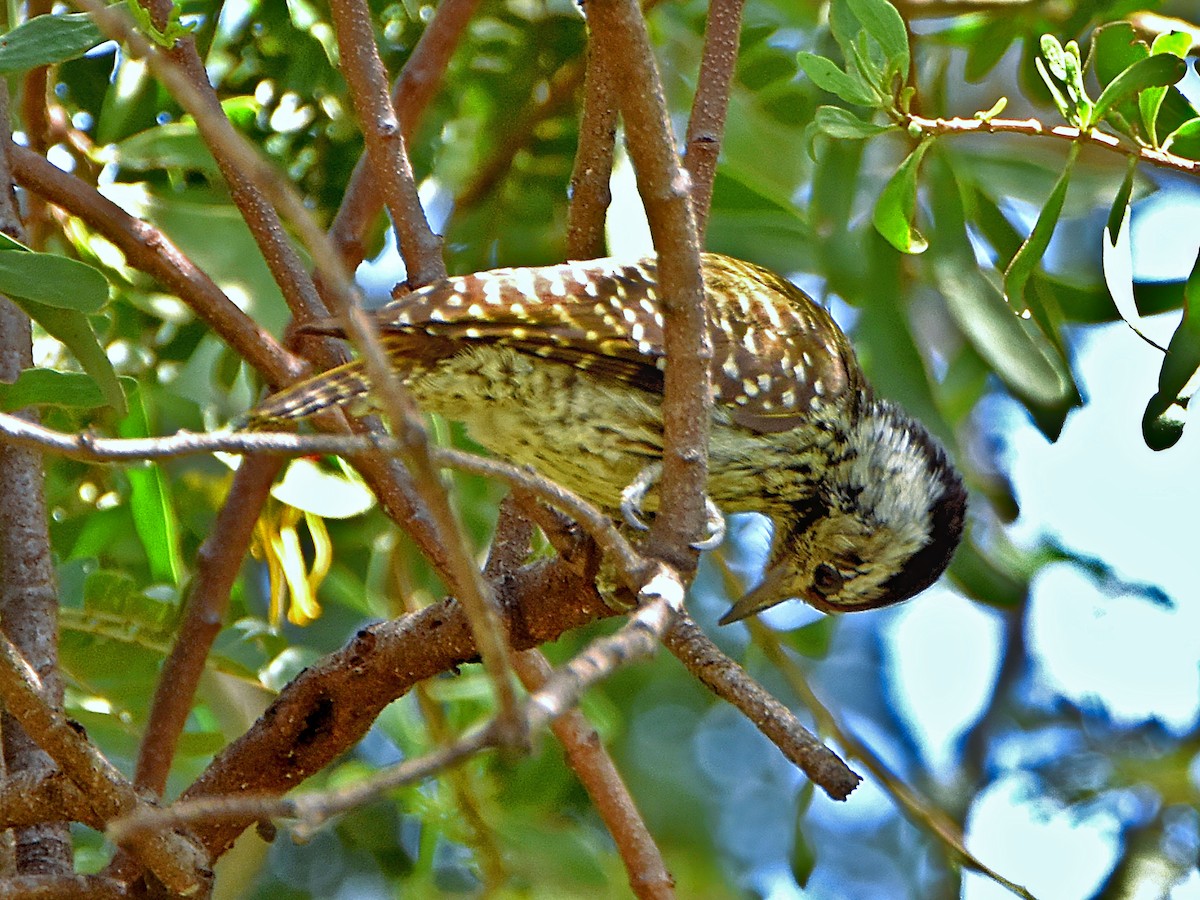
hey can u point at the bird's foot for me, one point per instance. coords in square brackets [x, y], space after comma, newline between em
[635, 494]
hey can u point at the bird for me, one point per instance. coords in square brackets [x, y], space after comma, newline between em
[561, 368]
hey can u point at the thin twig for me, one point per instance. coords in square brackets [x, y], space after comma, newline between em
[85, 447]
[1034, 128]
[706, 126]
[728, 680]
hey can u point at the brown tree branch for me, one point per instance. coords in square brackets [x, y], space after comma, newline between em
[30, 798]
[585, 752]
[367, 83]
[591, 176]
[28, 591]
[175, 860]
[330, 705]
[648, 875]
[64, 887]
[619, 30]
[149, 250]
[728, 680]
[706, 126]
[250, 180]
[387, 156]
[411, 94]
[217, 566]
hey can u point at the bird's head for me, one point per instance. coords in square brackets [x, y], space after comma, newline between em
[880, 528]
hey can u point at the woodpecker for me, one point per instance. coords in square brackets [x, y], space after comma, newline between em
[561, 368]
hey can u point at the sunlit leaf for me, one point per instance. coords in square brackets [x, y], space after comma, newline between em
[826, 75]
[1179, 379]
[1177, 43]
[152, 504]
[46, 40]
[1117, 253]
[896, 207]
[73, 329]
[1156, 71]
[1034, 247]
[883, 23]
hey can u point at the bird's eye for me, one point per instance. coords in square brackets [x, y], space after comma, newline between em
[827, 580]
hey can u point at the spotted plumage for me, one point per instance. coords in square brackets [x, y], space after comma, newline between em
[561, 368]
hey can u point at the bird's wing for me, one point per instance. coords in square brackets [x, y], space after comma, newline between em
[775, 352]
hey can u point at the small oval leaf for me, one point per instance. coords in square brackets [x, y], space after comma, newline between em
[841, 123]
[825, 74]
[46, 40]
[896, 207]
[73, 329]
[1155, 71]
[1034, 246]
[53, 280]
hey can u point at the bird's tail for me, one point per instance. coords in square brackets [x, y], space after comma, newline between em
[337, 387]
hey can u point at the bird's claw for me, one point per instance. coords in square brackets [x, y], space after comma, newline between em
[635, 493]
[714, 527]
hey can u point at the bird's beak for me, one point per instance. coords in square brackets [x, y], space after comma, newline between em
[772, 590]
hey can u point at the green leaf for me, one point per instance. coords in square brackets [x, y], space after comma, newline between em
[1062, 66]
[841, 123]
[1188, 132]
[50, 387]
[1060, 100]
[46, 40]
[1155, 71]
[825, 74]
[985, 579]
[803, 858]
[883, 23]
[1055, 57]
[1117, 253]
[1179, 379]
[1177, 43]
[177, 145]
[1014, 348]
[53, 280]
[894, 211]
[1034, 247]
[151, 504]
[1115, 47]
[73, 329]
